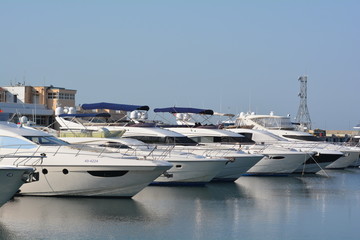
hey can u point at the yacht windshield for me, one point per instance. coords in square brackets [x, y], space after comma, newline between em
[210, 139]
[305, 138]
[231, 139]
[166, 140]
[46, 140]
[274, 123]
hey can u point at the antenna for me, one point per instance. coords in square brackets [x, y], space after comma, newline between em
[249, 108]
[303, 116]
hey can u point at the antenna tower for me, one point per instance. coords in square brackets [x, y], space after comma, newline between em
[303, 116]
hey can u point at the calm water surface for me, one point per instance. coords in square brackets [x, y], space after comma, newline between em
[311, 207]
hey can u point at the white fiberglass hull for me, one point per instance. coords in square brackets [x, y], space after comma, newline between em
[279, 164]
[237, 166]
[311, 168]
[188, 168]
[319, 161]
[11, 179]
[191, 171]
[346, 156]
[92, 181]
[70, 172]
[349, 158]
[238, 162]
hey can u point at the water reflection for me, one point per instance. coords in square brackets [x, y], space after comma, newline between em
[5, 233]
[212, 191]
[252, 207]
[210, 212]
[79, 216]
[316, 202]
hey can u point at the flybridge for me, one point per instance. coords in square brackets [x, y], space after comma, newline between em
[185, 110]
[114, 106]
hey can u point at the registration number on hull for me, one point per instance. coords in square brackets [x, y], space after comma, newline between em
[91, 161]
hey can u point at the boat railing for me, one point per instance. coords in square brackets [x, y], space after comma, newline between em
[101, 150]
[255, 148]
[311, 146]
[208, 151]
[22, 158]
[140, 151]
[30, 154]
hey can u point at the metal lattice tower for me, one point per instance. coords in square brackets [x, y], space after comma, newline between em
[303, 116]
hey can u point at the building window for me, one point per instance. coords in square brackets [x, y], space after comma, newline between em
[55, 95]
[3, 96]
[52, 95]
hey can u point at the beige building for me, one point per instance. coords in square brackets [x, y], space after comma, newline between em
[38, 103]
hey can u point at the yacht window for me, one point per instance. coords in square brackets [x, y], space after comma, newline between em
[248, 136]
[221, 139]
[46, 140]
[115, 145]
[274, 123]
[184, 141]
[305, 138]
[165, 140]
[230, 139]
[196, 139]
[208, 139]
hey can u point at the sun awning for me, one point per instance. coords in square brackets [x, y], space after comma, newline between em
[114, 106]
[185, 110]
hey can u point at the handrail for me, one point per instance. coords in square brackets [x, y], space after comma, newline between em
[27, 158]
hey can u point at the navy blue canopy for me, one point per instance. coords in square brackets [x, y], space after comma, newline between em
[80, 115]
[114, 106]
[185, 110]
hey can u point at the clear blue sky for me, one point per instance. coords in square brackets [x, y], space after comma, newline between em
[229, 56]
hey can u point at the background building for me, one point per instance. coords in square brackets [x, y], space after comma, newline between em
[38, 104]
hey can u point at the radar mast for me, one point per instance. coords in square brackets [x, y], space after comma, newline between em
[303, 116]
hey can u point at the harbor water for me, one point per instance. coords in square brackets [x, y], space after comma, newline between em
[321, 206]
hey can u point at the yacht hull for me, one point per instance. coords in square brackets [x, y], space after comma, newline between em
[92, 181]
[188, 172]
[11, 179]
[237, 166]
[349, 158]
[317, 163]
[278, 164]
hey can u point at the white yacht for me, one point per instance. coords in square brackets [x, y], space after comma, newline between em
[67, 170]
[317, 162]
[238, 162]
[283, 127]
[354, 142]
[11, 179]
[188, 168]
[276, 161]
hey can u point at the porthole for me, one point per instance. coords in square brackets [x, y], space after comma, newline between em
[178, 166]
[45, 171]
[65, 171]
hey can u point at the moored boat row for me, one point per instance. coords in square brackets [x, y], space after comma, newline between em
[154, 153]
